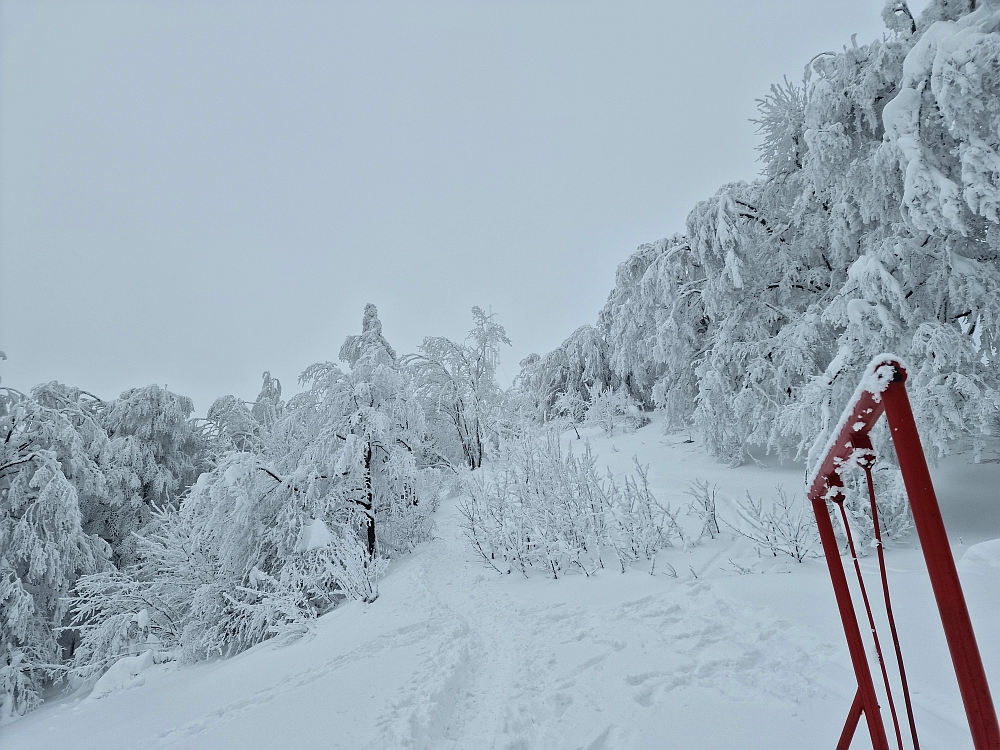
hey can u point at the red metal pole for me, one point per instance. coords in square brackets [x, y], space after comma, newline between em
[941, 569]
[855, 645]
[853, 717]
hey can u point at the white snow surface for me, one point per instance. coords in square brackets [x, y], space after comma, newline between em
[123, 674]
[453, 655]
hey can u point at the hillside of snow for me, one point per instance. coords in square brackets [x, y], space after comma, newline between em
[719, 648]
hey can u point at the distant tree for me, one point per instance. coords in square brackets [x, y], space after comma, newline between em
[232, 424]
[268, 407]
[154, 452]
[565, 381]
[457, 383]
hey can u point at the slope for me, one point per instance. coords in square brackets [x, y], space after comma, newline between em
[718, 648]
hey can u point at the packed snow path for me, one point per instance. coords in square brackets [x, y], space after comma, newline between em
[453, 655]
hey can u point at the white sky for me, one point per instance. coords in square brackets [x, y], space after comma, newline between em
[194, 192]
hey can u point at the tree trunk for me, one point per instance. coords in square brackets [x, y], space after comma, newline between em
[370, 498]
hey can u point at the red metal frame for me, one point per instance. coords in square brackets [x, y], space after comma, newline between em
[827, 486]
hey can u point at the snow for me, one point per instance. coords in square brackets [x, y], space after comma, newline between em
[315, 535]
[986, 554]
[738, 650]
[232, 475]
[123, 674]
[877, 376]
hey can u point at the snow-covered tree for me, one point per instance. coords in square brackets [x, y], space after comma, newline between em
[43, 545]
[153, 453]
[233, 424]
[567, 379]
[458, 385]
[875, 227]
[279, 533]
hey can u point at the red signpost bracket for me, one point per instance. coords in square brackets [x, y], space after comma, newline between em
[882, 390]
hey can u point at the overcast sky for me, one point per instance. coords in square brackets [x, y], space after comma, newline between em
[194, 192]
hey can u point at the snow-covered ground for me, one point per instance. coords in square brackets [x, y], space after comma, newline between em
[735, 651]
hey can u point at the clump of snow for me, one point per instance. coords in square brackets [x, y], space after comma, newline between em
[314, 535]
[123, 674]
[233, 474]
[984, 554]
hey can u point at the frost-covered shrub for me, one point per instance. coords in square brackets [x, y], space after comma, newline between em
[615, 409]
[571, 409]
[116, 615]
[543, 508]
[704, 507]
[781, 525]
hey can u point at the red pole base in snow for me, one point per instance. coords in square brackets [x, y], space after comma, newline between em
[866, 700]
[883, 390]
[853, 717]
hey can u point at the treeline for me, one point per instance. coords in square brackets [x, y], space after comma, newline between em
[874, 227]
[128, 526]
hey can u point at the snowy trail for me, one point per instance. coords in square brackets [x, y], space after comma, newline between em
[483, 683]
[454, 656]
[552, 669]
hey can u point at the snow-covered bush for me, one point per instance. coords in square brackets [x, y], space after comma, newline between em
[781, 525]
[703, 506]
[543, 508]
[613, 409]
[116, 615]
